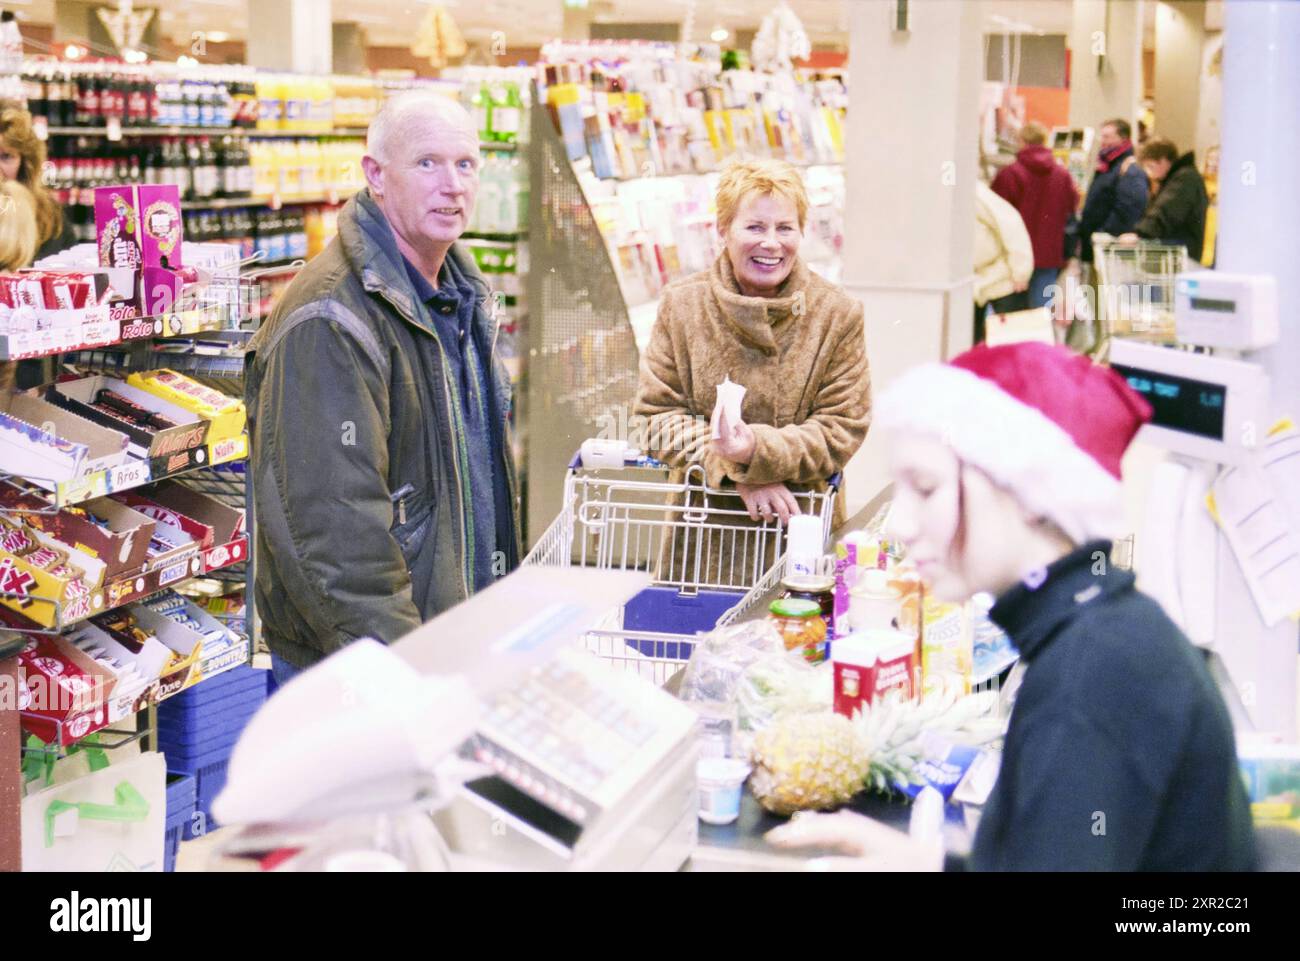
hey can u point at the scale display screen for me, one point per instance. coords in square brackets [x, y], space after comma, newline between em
[1213, 304]
[1180, 403]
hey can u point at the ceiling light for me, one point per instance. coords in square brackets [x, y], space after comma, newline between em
[218, 36]
[719, 34]
[74, 52]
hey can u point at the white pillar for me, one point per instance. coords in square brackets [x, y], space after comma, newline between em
[1180, 42]
[1259, 232]
[291, 35]
[912, 151]
[1105, 61]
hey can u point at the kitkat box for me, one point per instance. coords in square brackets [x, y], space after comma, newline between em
[138, 226]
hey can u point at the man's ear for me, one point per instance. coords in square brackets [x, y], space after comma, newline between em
[374, 172]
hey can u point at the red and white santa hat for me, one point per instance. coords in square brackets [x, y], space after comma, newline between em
[1045, 423]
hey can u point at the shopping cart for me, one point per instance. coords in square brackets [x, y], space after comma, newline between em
[1135, 288]
[703, 552]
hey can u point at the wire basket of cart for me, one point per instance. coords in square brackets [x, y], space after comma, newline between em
[704, 553]
[1135, 287]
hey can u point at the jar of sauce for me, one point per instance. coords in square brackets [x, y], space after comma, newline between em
[800, 624]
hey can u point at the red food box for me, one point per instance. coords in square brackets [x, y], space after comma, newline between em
[869, 664]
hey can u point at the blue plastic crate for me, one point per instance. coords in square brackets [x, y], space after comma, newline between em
[182, 796]
[193, 761]
[667, 611]
[221, 744]
[182, 790]
[211, 780]
[219, 687]
[199, 715]
[171, 845]
[210, 729]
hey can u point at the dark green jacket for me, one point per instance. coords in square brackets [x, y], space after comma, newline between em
[350, 401]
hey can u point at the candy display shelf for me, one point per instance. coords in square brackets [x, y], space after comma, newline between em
[127, 588]
[125, 477]
[126, 705]
[95, 332]
[212, 472]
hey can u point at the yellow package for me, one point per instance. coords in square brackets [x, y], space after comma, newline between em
[226, 413]
[946, 647]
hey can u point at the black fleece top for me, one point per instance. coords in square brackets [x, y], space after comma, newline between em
[1120, 754]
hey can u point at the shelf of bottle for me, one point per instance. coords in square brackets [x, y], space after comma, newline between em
[202, 132]
[224, 203]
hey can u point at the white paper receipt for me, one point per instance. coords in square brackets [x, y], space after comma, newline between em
[730, 396]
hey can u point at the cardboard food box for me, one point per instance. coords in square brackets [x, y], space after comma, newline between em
[121, 545]
[61, 685]
[165, 648]
[225, 413]
[204, 518]
[159, 446]
[86, 446]
[183, 557]
[870, 663]
[65, 591]
[138, 226]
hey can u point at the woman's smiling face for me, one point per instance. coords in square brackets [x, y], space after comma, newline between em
[762, 242]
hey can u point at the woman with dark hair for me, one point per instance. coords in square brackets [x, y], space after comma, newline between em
[22, 158]
[1176, 212]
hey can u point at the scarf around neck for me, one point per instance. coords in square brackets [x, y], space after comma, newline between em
[1111, 154]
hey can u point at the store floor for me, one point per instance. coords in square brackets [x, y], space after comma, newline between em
[200, 854]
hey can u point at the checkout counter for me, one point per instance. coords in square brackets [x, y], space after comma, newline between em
[575, 766]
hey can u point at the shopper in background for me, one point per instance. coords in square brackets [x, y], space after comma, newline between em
[1004, 258]
[384, 485]
[1176, 212]
[1120, 754]
[18, 235]
[1044, 193]
[22, 158]
[760, 317]
[1118, 192]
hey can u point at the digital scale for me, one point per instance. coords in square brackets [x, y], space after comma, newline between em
[1213, 414]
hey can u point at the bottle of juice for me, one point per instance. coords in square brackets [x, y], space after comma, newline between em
[481, 107]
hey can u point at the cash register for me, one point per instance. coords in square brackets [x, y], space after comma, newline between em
[560, 761]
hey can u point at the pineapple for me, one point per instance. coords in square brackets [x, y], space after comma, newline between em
[807, 762]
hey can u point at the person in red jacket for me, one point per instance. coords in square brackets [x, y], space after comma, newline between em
[1044, 193]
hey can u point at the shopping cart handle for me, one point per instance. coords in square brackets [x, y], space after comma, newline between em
[835, 480]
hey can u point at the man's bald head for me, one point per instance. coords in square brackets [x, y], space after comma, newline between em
[400, 111]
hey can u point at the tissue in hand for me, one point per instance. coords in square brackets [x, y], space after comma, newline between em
[729, 399]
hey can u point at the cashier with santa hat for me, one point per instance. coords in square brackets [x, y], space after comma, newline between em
[1119, 755]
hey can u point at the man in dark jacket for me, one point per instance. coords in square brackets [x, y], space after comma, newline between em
[384, 487]
[1176, 213]
[1044, 193]
[1118, 192]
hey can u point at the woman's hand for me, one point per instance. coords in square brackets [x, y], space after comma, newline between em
[768, 500]
[867, 845]
[1128, 238]
[735, 442]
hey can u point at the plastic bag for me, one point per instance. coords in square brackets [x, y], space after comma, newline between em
[721, 657]
[778, 684]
